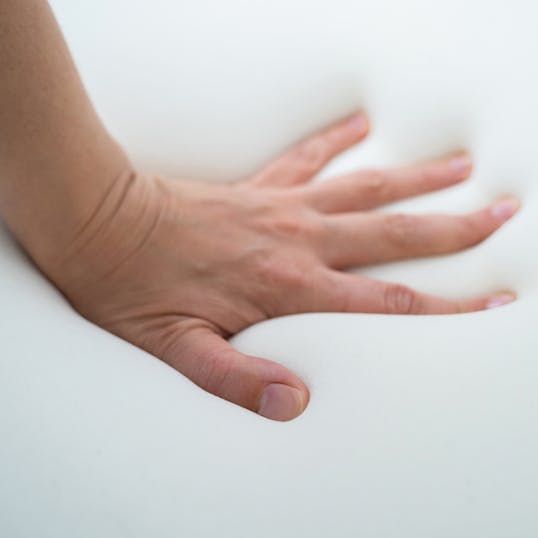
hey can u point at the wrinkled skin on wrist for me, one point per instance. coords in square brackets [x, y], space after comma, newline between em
[176, 267]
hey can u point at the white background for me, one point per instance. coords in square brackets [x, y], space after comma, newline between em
[417, 427]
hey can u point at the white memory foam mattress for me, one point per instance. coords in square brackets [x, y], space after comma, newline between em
[417, 426]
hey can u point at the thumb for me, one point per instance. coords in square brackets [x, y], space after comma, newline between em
[261, 385]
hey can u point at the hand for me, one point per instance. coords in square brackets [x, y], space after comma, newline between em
[177, 267]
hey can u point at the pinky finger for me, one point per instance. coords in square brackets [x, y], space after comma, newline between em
[354, 293]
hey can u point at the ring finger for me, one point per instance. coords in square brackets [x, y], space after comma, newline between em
[353, 239]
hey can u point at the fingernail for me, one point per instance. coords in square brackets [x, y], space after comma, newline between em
[358, 123]
[461, 163]
[501, 299]
[281, 402]
[504, 209]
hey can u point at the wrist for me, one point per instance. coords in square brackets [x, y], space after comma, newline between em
[46, 202]
[111, 232]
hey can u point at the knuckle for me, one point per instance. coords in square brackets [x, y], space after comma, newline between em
[400, 299]
[294, 224]
[401, 230]
[281, 272]
[312, 154]
[214, 371]
[374, 183]
[288, 225]
[427, 175]
[471, 231]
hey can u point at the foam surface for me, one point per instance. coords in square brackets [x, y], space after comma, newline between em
[417, 427]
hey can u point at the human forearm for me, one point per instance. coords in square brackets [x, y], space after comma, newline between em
[56, 158]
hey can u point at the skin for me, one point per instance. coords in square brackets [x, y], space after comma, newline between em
[177, 267]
